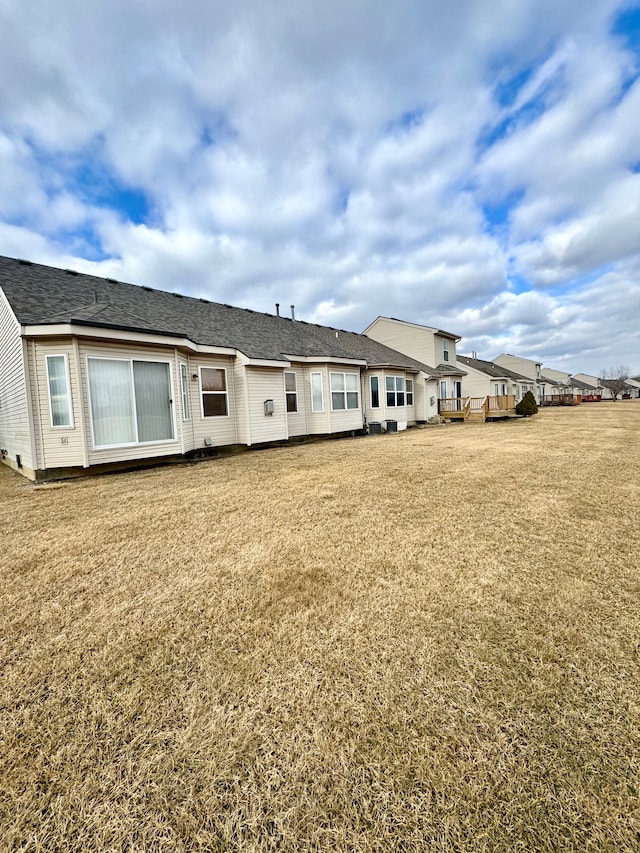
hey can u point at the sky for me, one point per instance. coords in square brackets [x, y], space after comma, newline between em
[471, 165]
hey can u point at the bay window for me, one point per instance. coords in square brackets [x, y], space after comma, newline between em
[395, 391]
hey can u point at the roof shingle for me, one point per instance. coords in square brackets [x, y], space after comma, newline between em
[42, 295]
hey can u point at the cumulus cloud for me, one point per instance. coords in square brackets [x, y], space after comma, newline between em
[472, 166]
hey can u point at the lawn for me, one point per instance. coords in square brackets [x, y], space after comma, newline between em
[427, 641]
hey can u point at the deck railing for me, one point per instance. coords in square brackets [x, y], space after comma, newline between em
[502, 403]
[561, 400]
[462, 407]
[451, 405]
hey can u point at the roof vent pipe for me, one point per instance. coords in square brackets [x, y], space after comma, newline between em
[293, 312]
[277, 309]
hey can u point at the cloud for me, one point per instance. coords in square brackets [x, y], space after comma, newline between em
[344, 157]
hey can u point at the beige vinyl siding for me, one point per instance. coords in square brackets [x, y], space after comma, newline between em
[297, 421]
[430, 390]
[222, 430]
[60, 447]
[318, 423]
[476, 383]
[241, 395]
[14, 410]
[555, 375]
[265, 383]
[99, 456]
[524, 366]
[415, 341]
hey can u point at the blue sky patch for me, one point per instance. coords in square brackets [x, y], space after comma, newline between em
[507, 92]
[497, 213]
[627, 26]
[407, 121]
[97, 186]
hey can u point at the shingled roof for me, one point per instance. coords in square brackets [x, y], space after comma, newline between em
[41, 295]
[497, 371]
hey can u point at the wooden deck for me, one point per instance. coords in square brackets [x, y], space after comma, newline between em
[477, 409]
[561, 400]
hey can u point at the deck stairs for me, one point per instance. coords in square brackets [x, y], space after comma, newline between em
[477, 409]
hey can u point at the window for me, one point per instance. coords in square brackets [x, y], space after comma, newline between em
[130, 401]
[395, 391]
[291, 390]
[184, 388]
[59, 391]
[409, 392]
[317, 399]
[445, 349]
[374, 387]
[496, 389]
[213, 387]
[344, 391]
[443, 389]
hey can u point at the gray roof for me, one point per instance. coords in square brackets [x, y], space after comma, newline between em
[497, 371]
[41, 295]
[583, 386]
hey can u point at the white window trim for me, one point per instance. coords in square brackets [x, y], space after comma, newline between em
[296, 411]
[345, 392]
[313, 409]
[135, 410]
[371, 392]
[219, 393]
[71, 424]
[445, 349]
[395, 392]
[184, 391]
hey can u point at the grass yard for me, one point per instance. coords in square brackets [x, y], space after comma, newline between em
[420, 642]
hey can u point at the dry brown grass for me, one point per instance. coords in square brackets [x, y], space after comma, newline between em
[427, 641]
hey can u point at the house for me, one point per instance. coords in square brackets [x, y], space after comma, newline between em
[97, 373]
[426, 344]
[558, 389]
[588, 393]
[486, 378]
[526, 367]
[634, 386]
[593, 382]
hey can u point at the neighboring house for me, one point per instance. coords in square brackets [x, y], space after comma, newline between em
[593, 382]
[559, 376]
[589, 393]
[627, 393]
[558, 388]
[426, 344]
[526, 367]
[95, 373]
[634, 385]
[484, 378]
